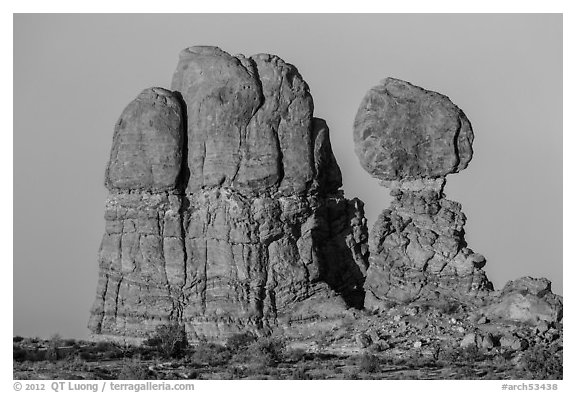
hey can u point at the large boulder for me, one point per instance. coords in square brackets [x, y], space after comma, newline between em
[526, 299]
[404, 132]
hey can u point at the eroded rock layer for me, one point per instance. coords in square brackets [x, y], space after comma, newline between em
[225, 212]
[418, 251]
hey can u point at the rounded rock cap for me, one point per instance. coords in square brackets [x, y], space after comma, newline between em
[404, 132]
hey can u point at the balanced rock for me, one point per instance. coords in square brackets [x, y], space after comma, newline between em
[404, 132]
[411, 138]
[242, 225]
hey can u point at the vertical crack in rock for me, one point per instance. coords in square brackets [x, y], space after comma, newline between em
[255, 231]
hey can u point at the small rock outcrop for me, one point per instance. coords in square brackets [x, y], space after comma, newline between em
[528, 300]
[225, 211]
[410, 139]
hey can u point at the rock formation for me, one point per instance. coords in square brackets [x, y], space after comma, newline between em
[529, 300]
[225, 211]
[410, 139]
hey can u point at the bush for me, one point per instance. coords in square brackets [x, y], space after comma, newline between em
[211, 354]
[17, 339]
[301, 373]
[104, 346]
[297, 355]
[369, 363]
[468, 354]
[542, 363]
[55, 341]
[170, 340]
[19, 354]
[134, 370]
[69, 342]
[268, 351]
[240, 341]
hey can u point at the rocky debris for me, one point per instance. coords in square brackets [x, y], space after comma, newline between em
[527, 300]
[402, 131]
[514, 343]
[364, 340]
[469, 339]
[225, 211]
[484, 341]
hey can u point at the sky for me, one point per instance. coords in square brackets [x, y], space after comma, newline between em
[75, 73]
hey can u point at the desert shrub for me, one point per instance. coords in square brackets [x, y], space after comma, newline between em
[461, 355]
[87, 356]
[297, 355]
[34, 355]
[324, 340]
[237, 372]
[111, 351]
[369, 363]
[541, 362]
[240, 341]
[53, 344]
[69, 342]
[301, 373]
[211, 354]
[449, 307]
[19, 354]
[17, 339]
[103, 346]
[134, 369]
[268, 350]
[170, 340]
[75, 363]
[55, 341]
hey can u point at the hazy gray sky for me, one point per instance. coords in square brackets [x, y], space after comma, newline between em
[74, 74]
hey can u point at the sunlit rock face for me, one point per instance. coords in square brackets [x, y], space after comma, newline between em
[411, 138]
[225, 211]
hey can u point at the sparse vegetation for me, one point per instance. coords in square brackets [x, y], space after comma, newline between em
[240, 341]
[170, 340]
[166, 355]
[542, 363]
[210, 354]
[134, 369]
[369, 363]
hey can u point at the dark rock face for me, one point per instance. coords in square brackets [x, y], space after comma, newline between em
[404, 132]
[242, 225]
[411, 138]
